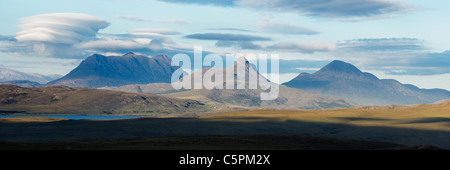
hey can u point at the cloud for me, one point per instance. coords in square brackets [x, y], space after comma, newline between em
[64, 28]
[53, 35]
[145, 40]
[425, 64]
[247, 42]
[242, 41]
[328, 8]
[140, 19]
[73, 35]
[111, 44]
[8, 45]
[231, 29]
[7, 38]
[315, 8]
[393, 56]
[302, 47]
[383, 44]
[226, 37]
[248, 45]
[285, 28]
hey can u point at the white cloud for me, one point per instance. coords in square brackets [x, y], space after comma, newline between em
[65, 28]
[74, 35]
[53, 35]
[108, 43]
[144, 41]
[151, 35]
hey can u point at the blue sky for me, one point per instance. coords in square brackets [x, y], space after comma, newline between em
[405, 40]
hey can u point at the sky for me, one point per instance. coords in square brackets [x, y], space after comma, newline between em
[393, 39]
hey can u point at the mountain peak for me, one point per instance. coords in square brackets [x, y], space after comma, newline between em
[132, 55]
[338, 66]
[129, 53]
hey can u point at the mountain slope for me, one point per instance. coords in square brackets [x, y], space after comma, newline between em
[152, 88]
[288, 98]
[99, 71]
[345, 81]
[67, 100]
[11, 75]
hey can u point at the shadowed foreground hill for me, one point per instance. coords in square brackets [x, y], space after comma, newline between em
[229, 142]
[67, 100]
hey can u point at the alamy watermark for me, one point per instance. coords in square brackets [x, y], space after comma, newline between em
[239, 74]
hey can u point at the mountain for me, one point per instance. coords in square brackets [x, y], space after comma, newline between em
[343, 80]
[67, 100]
[288, 98]
[10, 75]
[99, 71]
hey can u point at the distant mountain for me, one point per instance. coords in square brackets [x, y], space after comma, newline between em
[288, 98]
[22, 83]
[99, 71]
[67, 100]
[343, 80]
[10, 75]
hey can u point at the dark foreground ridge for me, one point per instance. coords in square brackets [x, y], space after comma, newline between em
[229, 142]
[76, 130]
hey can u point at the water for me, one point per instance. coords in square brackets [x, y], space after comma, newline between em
[75, 117]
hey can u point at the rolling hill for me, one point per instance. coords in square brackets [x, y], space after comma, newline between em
[152, 88]
[343, 80]
[83, 101]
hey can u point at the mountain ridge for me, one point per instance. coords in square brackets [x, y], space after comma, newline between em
[98, 71]
[344, 80]
[288, 98]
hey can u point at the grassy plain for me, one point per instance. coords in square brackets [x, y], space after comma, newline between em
[421, 117]
[254, 129]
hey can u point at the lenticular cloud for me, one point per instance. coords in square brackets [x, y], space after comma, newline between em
[64, 28]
